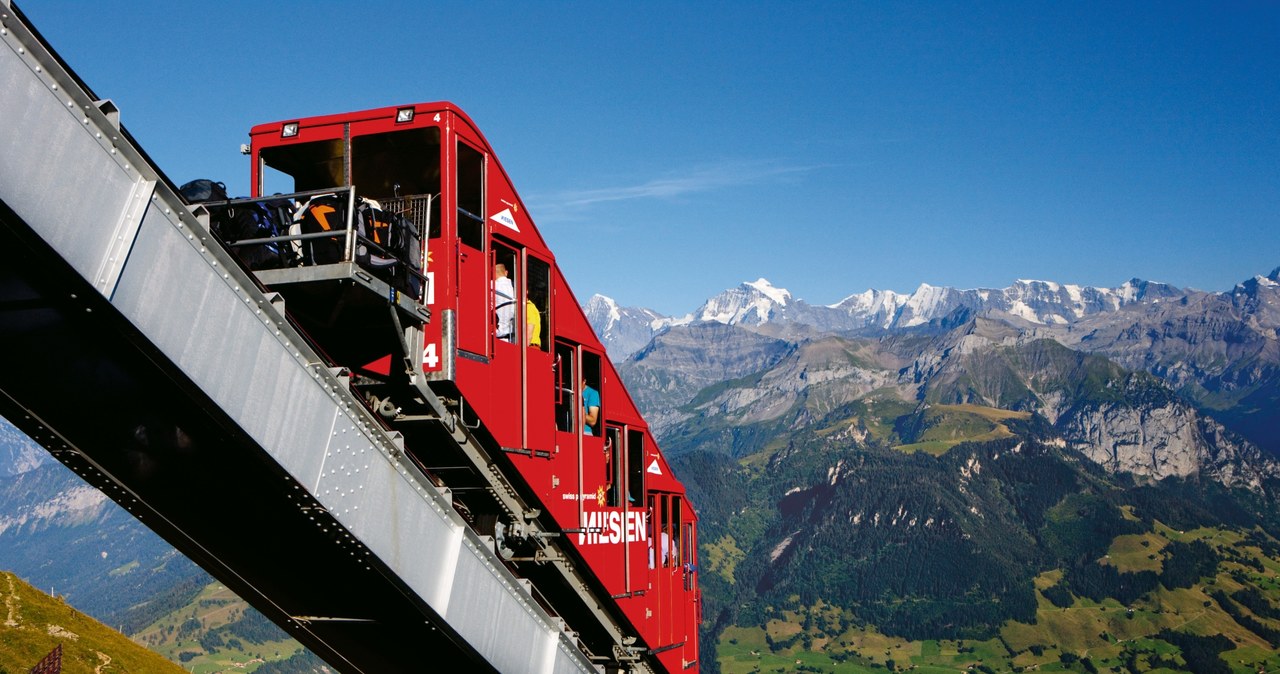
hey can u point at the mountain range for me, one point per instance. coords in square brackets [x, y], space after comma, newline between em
[1220, 351]
[1034, 477]
[627, 329]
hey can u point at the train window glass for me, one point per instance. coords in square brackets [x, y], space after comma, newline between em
[396, 164]
[666, 544]
[470, 192]
[506, 320]
[566, 384]
[655, 515]
[635, 466]
[675, 531]
[316, 165]
[592, 395]
[537, 309]
[612, 466]
[690, 554]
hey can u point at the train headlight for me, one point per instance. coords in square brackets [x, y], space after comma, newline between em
[289, 130]
[404, 115]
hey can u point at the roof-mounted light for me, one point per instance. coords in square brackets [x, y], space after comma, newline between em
[404, 115]
[289, 130]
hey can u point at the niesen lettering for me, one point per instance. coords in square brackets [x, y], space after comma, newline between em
[612, 527]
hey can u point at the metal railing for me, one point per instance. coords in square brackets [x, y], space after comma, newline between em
[415, 209]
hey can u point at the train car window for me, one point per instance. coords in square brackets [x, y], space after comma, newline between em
[613, 473]
[506, 320]
[470, 192]
[316, 165]
[592, 395]
[566, 384]
[690, 554]
[674, 527]
[537, 310]
[397, 163]
[635, 466]
[655, 515]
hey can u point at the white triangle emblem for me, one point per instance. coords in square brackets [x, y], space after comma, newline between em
[505, 218]
[654, 468]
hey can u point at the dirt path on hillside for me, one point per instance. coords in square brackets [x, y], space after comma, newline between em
[106, 660]
[11, 602]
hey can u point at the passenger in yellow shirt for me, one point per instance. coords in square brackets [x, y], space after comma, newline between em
[533, 323]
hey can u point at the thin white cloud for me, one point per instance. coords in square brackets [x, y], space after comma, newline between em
[567, 204]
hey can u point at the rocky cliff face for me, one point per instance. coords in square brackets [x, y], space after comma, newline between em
[1169, 440]
[18, 453]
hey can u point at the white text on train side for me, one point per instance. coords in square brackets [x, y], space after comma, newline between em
[610, 527]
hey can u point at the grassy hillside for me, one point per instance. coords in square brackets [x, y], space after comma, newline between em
[32, 624]
[1083, 635]
[217, 631]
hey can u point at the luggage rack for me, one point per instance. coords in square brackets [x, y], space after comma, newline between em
[355, 315]
[336, 281]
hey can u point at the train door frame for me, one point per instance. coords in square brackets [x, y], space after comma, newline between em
[693, 596]
[632, 497]
[539, 410]
[508, 385]
[617, 440]
[665, 563]
[585, 365]
[473, 279]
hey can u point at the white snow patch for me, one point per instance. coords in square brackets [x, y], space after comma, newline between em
[1021, 310]
[778, 295]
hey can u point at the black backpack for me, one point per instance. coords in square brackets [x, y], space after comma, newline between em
[398, 248]
[326, 213]
[202, 190]
[262, 220]
[232, 223]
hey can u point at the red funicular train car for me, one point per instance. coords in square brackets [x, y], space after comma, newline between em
[507, 346]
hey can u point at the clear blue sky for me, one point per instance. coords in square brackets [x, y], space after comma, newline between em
[670, 150]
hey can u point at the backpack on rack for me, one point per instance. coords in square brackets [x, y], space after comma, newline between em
[397, 247]
[202, 190]
[378, 227]
[388, 244]
[232, 223]
[326, 213]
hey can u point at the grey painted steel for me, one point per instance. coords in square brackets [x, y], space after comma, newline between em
[73, 177]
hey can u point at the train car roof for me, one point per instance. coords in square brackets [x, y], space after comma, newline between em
[274, 128]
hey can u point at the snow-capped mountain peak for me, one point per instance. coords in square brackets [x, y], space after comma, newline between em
[622, 329]
[752, 303]
[778, 295]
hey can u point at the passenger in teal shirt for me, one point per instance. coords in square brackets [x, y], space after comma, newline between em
[590, 408]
